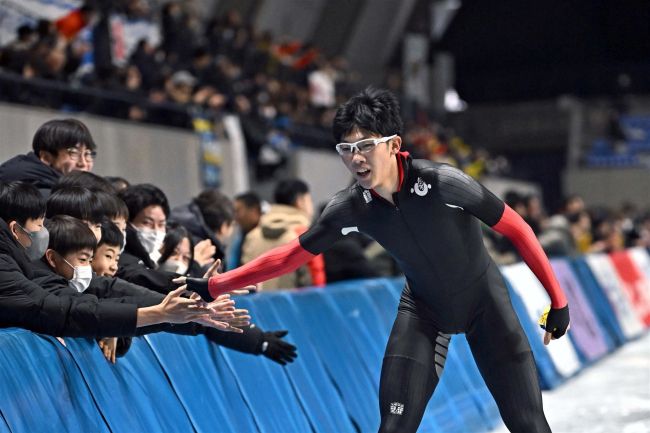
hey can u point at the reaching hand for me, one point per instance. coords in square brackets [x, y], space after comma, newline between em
[214, 269]
[200, 285]
[556, 322]
[224, 315]
[276, 349]
[176, 309]
[203, 252]
[109, 348]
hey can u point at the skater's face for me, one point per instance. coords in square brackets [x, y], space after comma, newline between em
[371, 167]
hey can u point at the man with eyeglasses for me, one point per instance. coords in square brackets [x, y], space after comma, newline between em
[428, 216]
[59, 147]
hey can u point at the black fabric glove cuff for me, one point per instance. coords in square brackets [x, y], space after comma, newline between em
[200, 286]
[557, 321]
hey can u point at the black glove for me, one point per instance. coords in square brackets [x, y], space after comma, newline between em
[123, 346]
[200, 286]
[276, 349]
[557, 321]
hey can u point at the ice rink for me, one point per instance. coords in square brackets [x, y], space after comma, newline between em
[612, 396]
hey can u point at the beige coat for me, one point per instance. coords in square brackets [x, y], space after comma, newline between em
[281, 224]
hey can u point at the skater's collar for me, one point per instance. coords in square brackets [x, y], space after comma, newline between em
[402, 158]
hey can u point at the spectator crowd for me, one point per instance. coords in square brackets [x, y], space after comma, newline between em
[83, 255]
[284, 91]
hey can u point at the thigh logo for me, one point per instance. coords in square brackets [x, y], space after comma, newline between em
[396, 408]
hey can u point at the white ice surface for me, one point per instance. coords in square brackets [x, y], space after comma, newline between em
[611, 396]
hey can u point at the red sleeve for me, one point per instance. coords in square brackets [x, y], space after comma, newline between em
[512, 226]
[316, 265]
[271, 264]
[317, 271]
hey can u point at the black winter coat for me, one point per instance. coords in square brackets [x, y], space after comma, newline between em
[25, 304]
[28, 168]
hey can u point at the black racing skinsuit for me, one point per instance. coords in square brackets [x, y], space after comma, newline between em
[433, 232]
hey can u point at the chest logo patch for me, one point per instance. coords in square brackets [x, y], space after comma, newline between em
[367, 196]
[420, 188]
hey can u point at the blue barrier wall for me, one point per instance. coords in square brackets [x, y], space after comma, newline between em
[179, 383]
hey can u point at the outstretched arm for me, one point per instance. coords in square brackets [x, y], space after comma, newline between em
[282, 259]
[513, 226]
[271, 264]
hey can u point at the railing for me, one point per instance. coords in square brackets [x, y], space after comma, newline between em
[78, 98]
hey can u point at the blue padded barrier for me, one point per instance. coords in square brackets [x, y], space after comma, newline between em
[203, 383]
[142, 373]
[360, 315]
[172, 382]
[355, 303]
[113, 388]
[37, 378]
[385, 299]
[4, 427]
[318, 395]
[336, 347]
[266, 389]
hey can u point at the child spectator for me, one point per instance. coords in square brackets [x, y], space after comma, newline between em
[107, 253]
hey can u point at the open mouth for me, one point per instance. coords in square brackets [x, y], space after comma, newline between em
[364, 173]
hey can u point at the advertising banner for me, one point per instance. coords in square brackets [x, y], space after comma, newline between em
[536, 299]
[634, 284]
[641, 258]
[606, 275]
[586, 332]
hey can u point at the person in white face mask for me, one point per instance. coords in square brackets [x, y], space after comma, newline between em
[74, 262]
[150, 224]
[145, 232]
[148, 211]
[177, 253]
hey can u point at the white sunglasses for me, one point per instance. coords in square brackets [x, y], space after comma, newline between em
[362, 146]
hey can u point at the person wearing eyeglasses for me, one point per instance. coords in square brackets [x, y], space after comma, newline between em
[59, 147]
[428, 216]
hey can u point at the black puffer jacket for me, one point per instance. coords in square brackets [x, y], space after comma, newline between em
[28, 168]
[25, 304]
